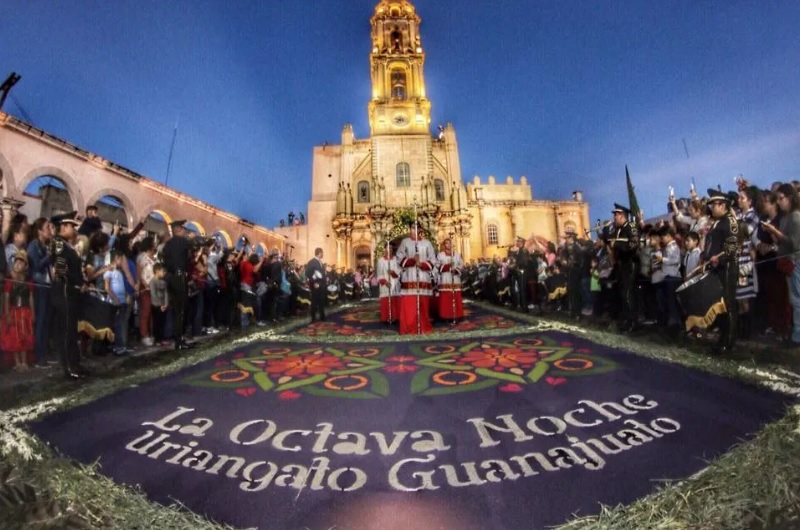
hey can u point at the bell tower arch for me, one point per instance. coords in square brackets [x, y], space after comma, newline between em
[399, 104]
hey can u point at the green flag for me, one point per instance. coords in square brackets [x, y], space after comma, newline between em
[633, 204]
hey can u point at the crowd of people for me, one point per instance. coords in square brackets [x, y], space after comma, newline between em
[741, 248]
[728, 261]
[72, 289]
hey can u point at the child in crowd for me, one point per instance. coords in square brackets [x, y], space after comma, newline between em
[17, 322]
[160, 302]
[691, 258]
[115, 288]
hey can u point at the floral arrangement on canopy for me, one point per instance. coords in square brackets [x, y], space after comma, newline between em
[398, 229]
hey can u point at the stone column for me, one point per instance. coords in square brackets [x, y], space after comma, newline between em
[8, 209]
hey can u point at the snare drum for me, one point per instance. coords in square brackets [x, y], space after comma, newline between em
[701, 300]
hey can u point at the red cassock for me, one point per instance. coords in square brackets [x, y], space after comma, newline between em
[388, 272]
[450, 303]
[415, 285]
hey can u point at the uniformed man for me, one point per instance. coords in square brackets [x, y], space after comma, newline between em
[623, 243]
[315, 274]
[720, 255]
[67, 282]
[177, 260]
[519, 263]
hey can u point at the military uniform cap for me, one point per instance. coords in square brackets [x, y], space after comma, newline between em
[618, 208]
[716, 195]
[65, 218]
[178, 224]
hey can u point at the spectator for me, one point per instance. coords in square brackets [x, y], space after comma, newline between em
[144, 270]
[788, 237]
[159, 302]
[39, 262]
[17, 336]
[117, 293]
[91, 223]
[17, 240]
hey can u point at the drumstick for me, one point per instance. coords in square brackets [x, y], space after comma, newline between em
[702, 267]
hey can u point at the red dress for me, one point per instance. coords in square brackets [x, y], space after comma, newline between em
[16, 329]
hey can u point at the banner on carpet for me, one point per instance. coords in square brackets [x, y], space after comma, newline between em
[176, 439]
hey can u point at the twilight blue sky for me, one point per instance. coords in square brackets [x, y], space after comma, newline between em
[564, 92]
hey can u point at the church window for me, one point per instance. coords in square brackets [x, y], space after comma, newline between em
[363, 191]
[403, 175]
[398, 80]
[396, 39]
[491, 232]
[438, 186]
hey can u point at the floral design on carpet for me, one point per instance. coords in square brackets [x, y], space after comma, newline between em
[375, 371]
[510, 364]
[364, 320]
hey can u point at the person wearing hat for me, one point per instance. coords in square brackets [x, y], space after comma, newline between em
[416, 258]
[720, 254]
[623, 243]
[177, 254]
[519, 260]
[67, 282]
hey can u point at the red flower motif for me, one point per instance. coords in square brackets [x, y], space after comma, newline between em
[566, 344]
[221, 363]
[401, 358]
[304, 364]
[238, 355]
[555, 381]
[246, 392]
[501, 358]
[401, 368]
[288, 394]
[511, 387]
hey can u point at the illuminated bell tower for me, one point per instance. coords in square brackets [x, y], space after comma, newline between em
[399, 104]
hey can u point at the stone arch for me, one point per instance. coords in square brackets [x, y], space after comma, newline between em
[8, 187]
[154, 208]
[127, 204]
[73, 188]
[199, 228]
[155, 227]
[362, 255]
[225, 237]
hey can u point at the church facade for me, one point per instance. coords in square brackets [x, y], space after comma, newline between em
[360, 185]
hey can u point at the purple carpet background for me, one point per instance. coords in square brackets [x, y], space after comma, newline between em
[714, 413]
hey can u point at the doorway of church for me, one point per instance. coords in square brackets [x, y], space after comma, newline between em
[363, 257]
